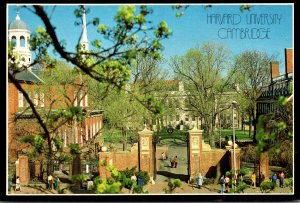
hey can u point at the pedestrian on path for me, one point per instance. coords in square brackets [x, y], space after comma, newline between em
[274, 178]
[281, 179]
[50, 181]
[133, 178]
[172, 162]
[163, 156]
[18, 184]
[253, 180]
[200, 180]
[222, 183]
[175, 161]
[227, 179]
[56, 183]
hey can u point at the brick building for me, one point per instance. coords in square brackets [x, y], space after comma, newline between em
[21, 120]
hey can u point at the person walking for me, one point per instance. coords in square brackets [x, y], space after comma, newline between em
[274, 178]
[50, 181]
[18, 184]
[56, 183]
[222, 183]
[175, 161]
[163, 156]
[133, 178]
[253, 180]
[200, 180]
[227, 179]
[281, 179]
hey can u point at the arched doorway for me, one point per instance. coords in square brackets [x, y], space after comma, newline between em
[166, 146]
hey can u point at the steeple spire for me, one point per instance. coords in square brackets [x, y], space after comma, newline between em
[84, 40]
[17, 16]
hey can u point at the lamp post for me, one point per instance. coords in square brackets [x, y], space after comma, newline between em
[233, 144]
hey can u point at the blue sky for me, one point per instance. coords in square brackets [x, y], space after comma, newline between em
[188, 31]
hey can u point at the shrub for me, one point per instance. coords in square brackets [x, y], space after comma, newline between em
[144, 175]
[266, 187]
[78, 178]
[172, 185]
[241, 187]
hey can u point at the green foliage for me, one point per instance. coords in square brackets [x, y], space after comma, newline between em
[108, 188]
[241, 187]
[172, 185]
[282, 100]
[144, 175]
[27, 139]
[80, 178]
[39, 42]
[65, 158]
[228, 174]
[243, 171]
[38, 142]
[267, 187]
[75, 149]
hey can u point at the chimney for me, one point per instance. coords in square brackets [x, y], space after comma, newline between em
[274, 70]
[288, 61]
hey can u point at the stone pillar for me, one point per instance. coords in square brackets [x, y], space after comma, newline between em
[145, 151]
[195, 149]
[22, 170]
[264, 164]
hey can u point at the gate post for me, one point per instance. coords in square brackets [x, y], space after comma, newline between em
[145, 151]
[195, 149]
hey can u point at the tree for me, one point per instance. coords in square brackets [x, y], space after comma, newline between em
[58, 110]
[107, 65]
[254, 69]
[201, 69]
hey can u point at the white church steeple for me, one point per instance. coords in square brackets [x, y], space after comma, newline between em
[19, 34]
[84, 40]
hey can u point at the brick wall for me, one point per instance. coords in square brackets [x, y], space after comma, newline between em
[121, 160]
[289, 61]
[210, 160]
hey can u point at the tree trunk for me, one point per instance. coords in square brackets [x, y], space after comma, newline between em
[250, 127]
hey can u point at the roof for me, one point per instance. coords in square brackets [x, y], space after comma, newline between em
[17, 24]
[29, 76]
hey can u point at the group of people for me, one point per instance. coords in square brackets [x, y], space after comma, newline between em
[173, 161]
[53, 182]
[280, 176]
[224, 182]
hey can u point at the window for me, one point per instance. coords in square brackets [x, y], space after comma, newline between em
[42, 97]
[76, 135]
[36, 99]
[86, 133]
[70, 138]
[81, 99]
[187, 118]
[75, 98]
[91, 131]
[20, 96]
[81, 135]
[14, 41]
[65, 137]
[86, 100]
[94, 129]
[177, 117]
[22, 41]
